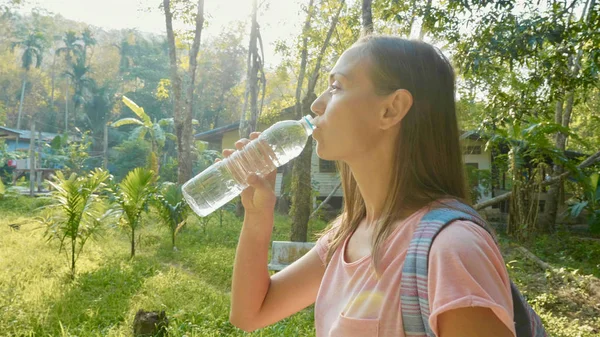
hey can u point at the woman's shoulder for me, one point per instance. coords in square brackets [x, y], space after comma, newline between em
[464, 241]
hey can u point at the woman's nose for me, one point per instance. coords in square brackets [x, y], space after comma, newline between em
[318, 106]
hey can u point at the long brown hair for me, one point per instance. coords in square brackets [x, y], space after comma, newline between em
[428, 162]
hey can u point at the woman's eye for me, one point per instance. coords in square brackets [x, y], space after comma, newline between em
[333, 88]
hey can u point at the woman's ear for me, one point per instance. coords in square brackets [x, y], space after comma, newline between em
[398, 104]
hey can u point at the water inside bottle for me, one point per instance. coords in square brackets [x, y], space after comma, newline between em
[223, 181]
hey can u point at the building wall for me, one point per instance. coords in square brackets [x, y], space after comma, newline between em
[482, 160]
[12, 144]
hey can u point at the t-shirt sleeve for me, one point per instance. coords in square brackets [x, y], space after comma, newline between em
[466, 269]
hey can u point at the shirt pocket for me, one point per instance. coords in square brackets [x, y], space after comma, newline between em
[354, 327]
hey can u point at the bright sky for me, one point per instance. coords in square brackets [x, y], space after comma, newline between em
[281, 20]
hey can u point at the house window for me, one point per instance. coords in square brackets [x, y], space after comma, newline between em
[327, 166]
[542, 206]
[474, 149]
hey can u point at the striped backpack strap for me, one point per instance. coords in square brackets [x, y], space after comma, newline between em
[414, 294]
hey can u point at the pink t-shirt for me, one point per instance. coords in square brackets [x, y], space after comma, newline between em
[466, 269]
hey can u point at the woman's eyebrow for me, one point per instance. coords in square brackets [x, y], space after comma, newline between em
[332, 75]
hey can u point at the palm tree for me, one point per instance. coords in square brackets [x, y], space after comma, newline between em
[172, 208]
[83, 83]
[88, 40]
[97, 112]
[71, 49]
[33, 48]
[145, 126]
[79, 211]
[132, 196]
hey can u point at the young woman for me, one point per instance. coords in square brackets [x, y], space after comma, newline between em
[389, 119]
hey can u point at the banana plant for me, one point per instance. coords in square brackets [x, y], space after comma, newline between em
[78, 211]
[172, 208]
[132, 196]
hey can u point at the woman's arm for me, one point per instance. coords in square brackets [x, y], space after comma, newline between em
[258, 300]
[471, 322]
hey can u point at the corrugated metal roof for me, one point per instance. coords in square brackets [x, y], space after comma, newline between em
[24, 134]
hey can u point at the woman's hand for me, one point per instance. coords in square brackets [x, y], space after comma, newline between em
[259, 198]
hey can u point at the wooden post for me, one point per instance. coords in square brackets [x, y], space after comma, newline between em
[38, 162]
[32, 157]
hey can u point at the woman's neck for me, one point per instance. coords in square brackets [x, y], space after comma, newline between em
[373, 174]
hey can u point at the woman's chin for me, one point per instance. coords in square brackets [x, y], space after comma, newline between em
[322, 153]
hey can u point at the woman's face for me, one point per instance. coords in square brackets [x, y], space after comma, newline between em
[349, 111]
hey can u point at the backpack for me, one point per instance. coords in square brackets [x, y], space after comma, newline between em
[414, 290]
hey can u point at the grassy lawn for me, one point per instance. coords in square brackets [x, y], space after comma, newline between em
[192, 284]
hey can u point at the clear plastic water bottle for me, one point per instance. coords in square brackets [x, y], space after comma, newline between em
[224, 180]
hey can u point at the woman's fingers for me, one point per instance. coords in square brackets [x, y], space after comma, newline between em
[241, 143]
[227, 152]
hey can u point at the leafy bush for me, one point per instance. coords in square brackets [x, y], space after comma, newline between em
[127, 156]
[132, 196]
[590, 201]
[80, 212]
[172, 208]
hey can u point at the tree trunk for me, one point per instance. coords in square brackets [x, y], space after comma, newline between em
[286, 201]
[176, 84]
[32, 157]
[283, 204]
[301, 199]
[301, 177]
[52, 84]
[21, 103]
[132, 242]
[187, 130]
[38, 162]
[367, 17]
[73, 258]
[173, 230]
[303, 60]
[248, 124]
[564, 118]
[67, 107]
[105, 147]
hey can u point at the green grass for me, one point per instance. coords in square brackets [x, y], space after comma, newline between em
[568, 307]
[191, 284]
[566, 250]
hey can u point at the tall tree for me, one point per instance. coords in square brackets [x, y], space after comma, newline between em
[145, 126]
[283, 202]
[88, 40]
[528, 64]
[79, 75]
[248, 122]
[183, 105]
[563, 112]
[301, 177]
[71, 50]
[254, 67]
[32, 56]
[367, 17]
